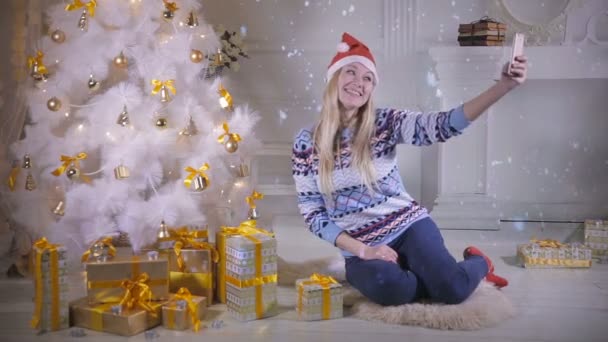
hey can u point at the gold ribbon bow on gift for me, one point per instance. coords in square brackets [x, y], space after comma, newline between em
[67, 160]
[106, 242]
[547, 243]
[12, 177]
[325, 282]
[247, 227]
[192, 308]
[170, 6]
[188, 241]
[40, 247]
[234, 136]
[38, 59]
[158, 84]
[253, 197]
[90, 6]
[137, 293]
[196, 172]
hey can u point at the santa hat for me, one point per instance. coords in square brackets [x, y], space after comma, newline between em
[351, 50]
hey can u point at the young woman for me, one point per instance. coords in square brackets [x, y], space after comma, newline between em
[351, 195]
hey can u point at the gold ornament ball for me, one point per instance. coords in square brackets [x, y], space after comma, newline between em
[58, 36]
[93, 84]
[72, 173]
[53, 104]
[196, 56]
[162, 123]
[231, 145]
[121, 61]
[168, 15]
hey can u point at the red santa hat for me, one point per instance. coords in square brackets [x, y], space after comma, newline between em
[351, 50]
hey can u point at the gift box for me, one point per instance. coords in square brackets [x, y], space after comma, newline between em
[105, 279]
[251, 275]
[319, 297]
[596, 237]
[184, 311]
[51, 310]
[553, 254]
[484, 32]
[114, 318]
[183, 234]
[193, 269]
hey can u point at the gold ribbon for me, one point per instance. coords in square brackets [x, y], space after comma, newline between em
[227, 133]
[38, 59]
[137, 293]
[12, 177]
[254, 197]
[226, 95]
[548, 243]
[89, 6]
[40, 247]
[67, 160]
[170, 6]
[196, 172]
[106, 241]
[158, 84]
[191, 243]
[192, 308]
[325, 282]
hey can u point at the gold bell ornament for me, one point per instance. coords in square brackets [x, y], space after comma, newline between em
[27, 162]
[123, 117]
[190, 129]
[163, 237]
[121, 60]
[30, 183]
[38, 70]
[83, 22]
[121, 172]
[53, 104]
[169, 12]
[59, 209]
[218, 60]
[88, 9]
[225, 98]
[229, 140]
[58, 36]
[164, 88]
[192, 20]
[253, 212]
[93, 84]
[197, 179]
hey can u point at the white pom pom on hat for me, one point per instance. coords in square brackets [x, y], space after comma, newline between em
[351, 50]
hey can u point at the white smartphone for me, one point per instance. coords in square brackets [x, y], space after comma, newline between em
[517, 50]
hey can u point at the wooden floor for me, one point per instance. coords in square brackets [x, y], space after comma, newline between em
[552, 304]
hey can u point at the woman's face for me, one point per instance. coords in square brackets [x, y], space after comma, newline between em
[355, 85]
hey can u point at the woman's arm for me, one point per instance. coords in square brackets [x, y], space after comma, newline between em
[363, 251]
[475, 107]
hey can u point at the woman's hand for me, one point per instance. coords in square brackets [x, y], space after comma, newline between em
[519, 71]
[381, 252]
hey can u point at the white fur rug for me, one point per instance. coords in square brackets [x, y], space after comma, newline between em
[486, 307]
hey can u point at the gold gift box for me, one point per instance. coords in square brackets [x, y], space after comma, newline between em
[100, 317]
[177, 318]
[553, 254]
[104, 279]
[197, 275]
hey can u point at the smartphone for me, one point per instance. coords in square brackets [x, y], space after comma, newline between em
[517, 50]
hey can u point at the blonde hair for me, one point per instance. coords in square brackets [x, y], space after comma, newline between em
[327, 138]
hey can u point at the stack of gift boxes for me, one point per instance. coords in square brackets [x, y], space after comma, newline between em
[596, 237]
[549, 253]
[173, 282]
[484, 32]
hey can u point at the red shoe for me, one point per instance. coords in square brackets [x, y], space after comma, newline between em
[491, 277]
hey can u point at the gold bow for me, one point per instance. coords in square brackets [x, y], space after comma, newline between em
[254, 197]
[106, 241]
[184, 294]
[547, 243]
[38, 59]
[235, 136]
[12, 177]
[187, 242]
[158, 84]
[40, 246]
[325, 282]
[89, 6]
[196, 172]
[170, 6]
[247, 227]
[225, 95]
[137, 293]
[67, 160]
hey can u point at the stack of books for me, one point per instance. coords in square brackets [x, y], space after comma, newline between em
[484, 32]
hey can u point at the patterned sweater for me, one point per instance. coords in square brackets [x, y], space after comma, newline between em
[375, 217]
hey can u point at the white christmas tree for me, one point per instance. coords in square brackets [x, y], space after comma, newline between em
[130, 125]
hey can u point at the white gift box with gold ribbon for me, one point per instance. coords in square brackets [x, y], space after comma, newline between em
[318, 298]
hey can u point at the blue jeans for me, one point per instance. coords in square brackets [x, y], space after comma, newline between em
[425, 270]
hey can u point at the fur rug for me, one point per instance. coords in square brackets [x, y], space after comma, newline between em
[486, 307]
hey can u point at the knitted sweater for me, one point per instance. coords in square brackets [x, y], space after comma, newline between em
[372, 217]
